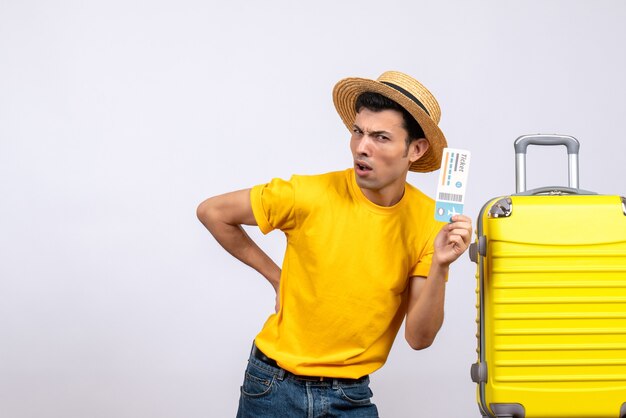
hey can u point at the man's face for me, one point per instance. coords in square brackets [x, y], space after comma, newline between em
[381, 157]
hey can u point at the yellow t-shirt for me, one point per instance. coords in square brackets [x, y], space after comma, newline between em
[345, 272]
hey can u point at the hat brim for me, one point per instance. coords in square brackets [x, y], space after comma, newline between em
[348, 90]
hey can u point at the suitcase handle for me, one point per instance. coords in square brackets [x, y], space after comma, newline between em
[521, 144]
[552, 191]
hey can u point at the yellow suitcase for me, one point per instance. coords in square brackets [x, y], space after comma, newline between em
[551, 290]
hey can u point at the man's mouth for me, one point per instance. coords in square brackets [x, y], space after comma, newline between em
[362, 166]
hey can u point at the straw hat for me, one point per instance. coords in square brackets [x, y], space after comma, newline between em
[408, 93]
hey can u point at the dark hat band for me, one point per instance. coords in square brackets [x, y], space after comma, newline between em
[407, 94]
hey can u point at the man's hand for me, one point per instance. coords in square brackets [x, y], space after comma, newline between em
[276, 289]
[452, 241]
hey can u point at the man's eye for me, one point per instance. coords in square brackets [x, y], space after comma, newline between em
[382, 138]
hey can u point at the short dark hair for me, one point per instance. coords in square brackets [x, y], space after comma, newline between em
[376, 102]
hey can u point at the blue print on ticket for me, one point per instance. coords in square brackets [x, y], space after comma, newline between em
[450, 196]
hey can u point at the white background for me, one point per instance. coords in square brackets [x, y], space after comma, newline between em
[118, 117]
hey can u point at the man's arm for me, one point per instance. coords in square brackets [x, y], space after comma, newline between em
[223, 216]
[426, 295]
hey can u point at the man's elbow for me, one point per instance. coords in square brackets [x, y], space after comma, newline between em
[421, 340]
[420, 343]
[206, 212]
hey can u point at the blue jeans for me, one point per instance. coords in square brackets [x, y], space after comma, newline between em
[271, 392]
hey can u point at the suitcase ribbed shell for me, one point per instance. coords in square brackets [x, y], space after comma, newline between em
[554, 306]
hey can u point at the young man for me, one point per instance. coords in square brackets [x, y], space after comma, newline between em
[363, 254]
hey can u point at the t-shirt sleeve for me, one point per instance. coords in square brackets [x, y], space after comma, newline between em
[273, 205]
[422, 267]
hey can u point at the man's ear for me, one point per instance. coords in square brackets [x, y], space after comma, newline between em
[418, 148]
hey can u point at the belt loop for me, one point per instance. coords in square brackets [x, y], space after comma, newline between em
[281, 374]
[335, 384]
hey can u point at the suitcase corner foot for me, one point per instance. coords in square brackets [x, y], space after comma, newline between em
[508, 410]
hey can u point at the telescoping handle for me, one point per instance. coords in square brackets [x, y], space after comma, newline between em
[521, 145]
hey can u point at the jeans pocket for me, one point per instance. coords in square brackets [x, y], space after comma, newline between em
[257, 383]
[359, 394]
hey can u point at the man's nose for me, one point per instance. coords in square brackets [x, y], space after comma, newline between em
[364, 146]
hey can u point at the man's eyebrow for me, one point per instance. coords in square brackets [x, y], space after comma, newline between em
[374, 133]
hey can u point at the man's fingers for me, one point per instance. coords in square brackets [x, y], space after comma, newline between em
[461, 219]
[464, 233]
